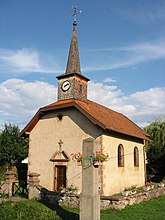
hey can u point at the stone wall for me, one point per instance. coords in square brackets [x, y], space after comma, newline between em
[120, 202]
[107, 202]
[40, 193]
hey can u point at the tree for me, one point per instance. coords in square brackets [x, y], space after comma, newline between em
[156, 147]
[13, 148]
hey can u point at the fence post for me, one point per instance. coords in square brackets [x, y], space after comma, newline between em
[89, 198]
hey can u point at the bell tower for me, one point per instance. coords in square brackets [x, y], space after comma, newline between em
[72, 84]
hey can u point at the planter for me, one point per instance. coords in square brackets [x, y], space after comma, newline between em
[96, 163]
[79, 163]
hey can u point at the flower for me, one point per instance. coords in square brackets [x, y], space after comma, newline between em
[100, 156]
[77, 156]
[70, 189]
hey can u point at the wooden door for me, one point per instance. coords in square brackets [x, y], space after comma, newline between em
[60, 177]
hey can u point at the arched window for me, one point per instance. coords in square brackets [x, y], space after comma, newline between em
[136, 157]
[120, 156]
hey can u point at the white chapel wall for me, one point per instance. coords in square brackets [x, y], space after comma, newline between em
[116, 179]
[44, 138]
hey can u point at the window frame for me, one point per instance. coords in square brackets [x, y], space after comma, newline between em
[120, 155]
[136, 157]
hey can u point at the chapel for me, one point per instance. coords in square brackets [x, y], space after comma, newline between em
[58, 130]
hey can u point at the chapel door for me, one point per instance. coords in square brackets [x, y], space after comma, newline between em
[60, 177]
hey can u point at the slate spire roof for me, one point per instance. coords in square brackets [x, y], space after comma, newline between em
[73, 64]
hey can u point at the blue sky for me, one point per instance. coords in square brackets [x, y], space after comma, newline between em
[122, 51]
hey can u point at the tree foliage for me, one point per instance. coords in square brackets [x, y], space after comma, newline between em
[156, 147]
[13, 148]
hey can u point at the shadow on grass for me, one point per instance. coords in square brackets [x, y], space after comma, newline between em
[61, 212]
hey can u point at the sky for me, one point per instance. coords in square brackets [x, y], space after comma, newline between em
[121, 46]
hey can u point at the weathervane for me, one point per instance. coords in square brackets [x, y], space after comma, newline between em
[75, 13]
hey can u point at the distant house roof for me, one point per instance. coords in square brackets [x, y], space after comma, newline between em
[106, 118]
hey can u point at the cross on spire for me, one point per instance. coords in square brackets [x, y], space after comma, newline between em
[75, 13]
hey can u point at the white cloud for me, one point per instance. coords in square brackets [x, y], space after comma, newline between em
[149, 104]
[21, 99]
[111, 97]
[26, 60]
[142, 107]
[107, 80]
[146, 51]
[31, 60]
[142, 13]
[124, 57]
[103, 93]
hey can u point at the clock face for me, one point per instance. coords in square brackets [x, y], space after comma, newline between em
[65, 85]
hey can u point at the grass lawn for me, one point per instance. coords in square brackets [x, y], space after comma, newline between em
[32, 210]
[26, 210]
[150, 210]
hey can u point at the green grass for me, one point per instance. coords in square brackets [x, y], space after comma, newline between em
[32, 210]
[26, 210]
[153, 209]
[150, 210]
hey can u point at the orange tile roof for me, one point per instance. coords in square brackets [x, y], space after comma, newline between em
[113, 120]
[98, 114]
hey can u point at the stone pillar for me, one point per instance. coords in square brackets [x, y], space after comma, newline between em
[9, 180]
[89, 198]
[33, 182]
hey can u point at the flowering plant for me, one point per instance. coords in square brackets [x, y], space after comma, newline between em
[100, 156]
[70, 189]
[77, 156]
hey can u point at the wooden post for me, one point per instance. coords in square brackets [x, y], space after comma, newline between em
[89, 198]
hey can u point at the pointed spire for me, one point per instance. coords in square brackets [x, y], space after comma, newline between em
[73, 64]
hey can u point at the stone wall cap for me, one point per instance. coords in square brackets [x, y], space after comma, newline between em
[34, 174]
[111, 198]
[10, 172]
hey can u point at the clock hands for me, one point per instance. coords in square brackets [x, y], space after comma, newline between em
[67, 84]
